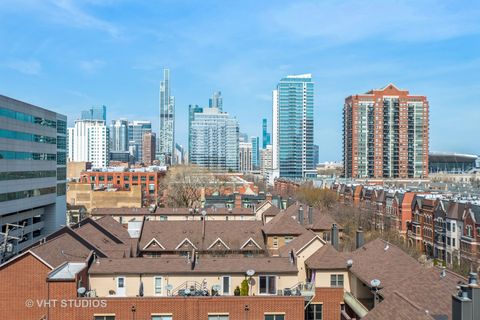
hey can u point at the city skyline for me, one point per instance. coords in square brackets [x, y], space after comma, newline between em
[122, 64]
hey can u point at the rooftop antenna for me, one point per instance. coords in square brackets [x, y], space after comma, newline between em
[204, 217]
[375, 284]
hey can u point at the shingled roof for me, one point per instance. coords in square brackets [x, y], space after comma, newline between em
[327, 258]
[204, 265]
[283, 224]
[298, 243]
[401, 274]
[321, 220]
[171, 234]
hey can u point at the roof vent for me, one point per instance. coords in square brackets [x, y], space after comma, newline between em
[387, 246]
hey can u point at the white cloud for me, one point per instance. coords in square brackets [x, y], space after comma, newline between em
[91, 66]
[29, 67]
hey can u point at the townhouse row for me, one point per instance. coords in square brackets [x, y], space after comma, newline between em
[444, 229]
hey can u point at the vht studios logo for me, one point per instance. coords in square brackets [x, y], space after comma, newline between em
[65, 303]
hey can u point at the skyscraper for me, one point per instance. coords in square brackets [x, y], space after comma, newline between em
[255, 152]
[245, 156]
[166, 139]
[214, 140]
[385, 134]
[33, 147]
[95, 113]
[265, 134]
[316, 154]
[90, 142]
[119, 135]
[136, 131]
[148, 147]
[216, 101]
[293, 126]
[192, 109]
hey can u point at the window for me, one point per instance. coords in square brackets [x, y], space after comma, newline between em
[469, 231]
[274, 317]
[275, 242]
[314, 312]
[453, 242]
[226, 285]
[268, 285]
[162, 317]
[158, 285]
[218, 317]
[336, 280]
[109, 317]
[288, 239]
[453, 227]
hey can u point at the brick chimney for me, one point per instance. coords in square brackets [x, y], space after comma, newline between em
[238, 200]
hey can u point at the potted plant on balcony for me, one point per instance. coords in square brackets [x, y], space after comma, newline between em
[244, 289]
[236, 292]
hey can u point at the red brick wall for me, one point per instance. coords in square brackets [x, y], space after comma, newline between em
[21, 280]
[331, 298]
[25, 278]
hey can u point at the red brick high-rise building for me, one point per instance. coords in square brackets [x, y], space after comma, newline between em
[148, 148]
[385, 134]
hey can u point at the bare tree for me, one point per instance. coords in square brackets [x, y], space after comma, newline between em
[183, 185]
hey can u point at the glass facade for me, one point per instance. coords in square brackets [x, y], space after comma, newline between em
[95, 113]
[255, 152]
[18, 175]
[17, 135]
[9, 196]
[20, 116]
[214, 140]
[14, 155]
[295, 125]
[136, 131]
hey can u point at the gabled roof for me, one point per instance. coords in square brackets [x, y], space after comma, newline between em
[233, 233]
[299, 243]
[321, 220]
[154, 241]
[185, 242]
[283, 224]
[218, 241]
[64, 247]
[327, 258]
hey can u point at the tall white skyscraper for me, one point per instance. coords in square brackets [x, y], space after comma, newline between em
[166, 139]
[90, 142]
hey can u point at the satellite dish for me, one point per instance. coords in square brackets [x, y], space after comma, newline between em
[216, 287]
[250, 272]
[375, 283]
[169, 287]
[204, 213]
[81, 291]
[349, 263]
[187, 291]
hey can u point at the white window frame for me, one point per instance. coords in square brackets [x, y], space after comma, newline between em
[229, 285]
[216, 316]
[162, 315]
[155, 285]
[124, 286]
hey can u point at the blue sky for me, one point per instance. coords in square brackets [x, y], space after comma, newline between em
[69, 55]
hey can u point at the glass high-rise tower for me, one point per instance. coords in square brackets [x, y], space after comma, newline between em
[166, 139]
[265, 134]
[293, 151]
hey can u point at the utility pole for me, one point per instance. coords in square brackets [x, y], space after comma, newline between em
[7, 247]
